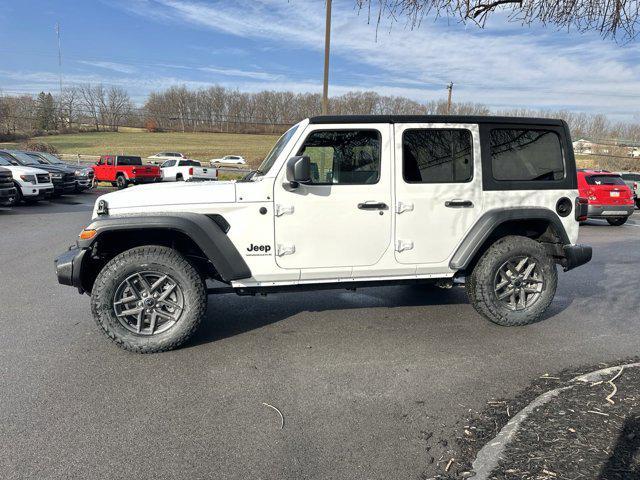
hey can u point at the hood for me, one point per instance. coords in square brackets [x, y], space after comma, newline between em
[168, 194]
[20, 170]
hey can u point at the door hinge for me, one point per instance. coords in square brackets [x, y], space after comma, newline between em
[404, 207]
[283, 210]
[402, 245]
[287, 249]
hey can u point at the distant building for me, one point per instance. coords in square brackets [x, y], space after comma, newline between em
[627, 148]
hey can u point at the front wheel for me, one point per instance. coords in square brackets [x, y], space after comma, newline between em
[617, 221]
[149, 299]
[514, 282]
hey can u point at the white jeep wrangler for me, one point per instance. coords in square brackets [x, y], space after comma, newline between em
[342, 202]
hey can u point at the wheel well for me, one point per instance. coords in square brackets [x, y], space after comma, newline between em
[540, 230]
[109, 244]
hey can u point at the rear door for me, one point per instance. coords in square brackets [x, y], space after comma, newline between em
[438, 189]
[342, 218]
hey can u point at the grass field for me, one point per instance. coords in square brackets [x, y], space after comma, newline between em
[199, 146]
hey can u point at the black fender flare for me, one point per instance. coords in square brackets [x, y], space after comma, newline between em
[491, 220]
[208, 232]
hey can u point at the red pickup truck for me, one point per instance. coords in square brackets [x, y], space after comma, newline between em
[121, 170]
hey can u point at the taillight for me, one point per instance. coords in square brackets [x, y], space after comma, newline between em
[635, 185]
[582, 208]
[591, 194]
[191, 171]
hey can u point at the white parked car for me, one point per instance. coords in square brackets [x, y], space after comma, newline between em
[187, 171]
[167, 156]
[32, 184]
[228, 160]
[343, 202]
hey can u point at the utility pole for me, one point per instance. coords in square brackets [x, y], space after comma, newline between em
[327, 44]
[59, 57]
[450, 88]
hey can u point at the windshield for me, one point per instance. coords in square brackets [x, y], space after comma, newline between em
[25, 159]
[270, 159]
[49, 157]
[4, 162]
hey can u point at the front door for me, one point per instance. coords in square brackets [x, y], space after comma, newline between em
[342, 218]
[438, 190]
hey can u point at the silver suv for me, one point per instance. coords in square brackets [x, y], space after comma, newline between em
[632, 179]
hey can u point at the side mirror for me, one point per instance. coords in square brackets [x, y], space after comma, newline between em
[298, 170]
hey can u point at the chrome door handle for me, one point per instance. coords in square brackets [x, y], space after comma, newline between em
[458, 204]
[372, 206]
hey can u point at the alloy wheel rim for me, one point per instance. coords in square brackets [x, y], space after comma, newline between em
[148, 303]
[518, 283]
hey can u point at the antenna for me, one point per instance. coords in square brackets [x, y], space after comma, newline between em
[59, 57]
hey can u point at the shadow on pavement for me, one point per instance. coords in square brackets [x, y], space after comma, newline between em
[622, 464]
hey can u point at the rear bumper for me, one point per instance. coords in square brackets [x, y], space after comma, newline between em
[69, 266]
[139, 180]
[604, 211]
[576, 255]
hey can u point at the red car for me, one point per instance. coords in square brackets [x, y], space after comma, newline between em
[609, 196]
[121, 170]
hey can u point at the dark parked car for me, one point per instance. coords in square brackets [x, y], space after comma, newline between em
[83, 174]
[7, 189]
[63, 178]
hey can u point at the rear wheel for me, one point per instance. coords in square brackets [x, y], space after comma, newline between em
[617, 221]
[179, 178]
[149, 299]
[121, 182]
[514, 282]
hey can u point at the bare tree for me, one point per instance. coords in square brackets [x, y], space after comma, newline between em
[611, 18]
[93, 102]
[118, 107]
[68, 106]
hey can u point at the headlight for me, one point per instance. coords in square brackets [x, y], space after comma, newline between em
[81, 173]
[28, 178]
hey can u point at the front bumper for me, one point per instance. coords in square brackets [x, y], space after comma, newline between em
[60, 188]
[38, 191]
[69, 267]
[605, 211]
[7, 196]
[576, 255]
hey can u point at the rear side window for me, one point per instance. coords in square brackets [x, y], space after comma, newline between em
[190, 163]
[526, 155]
[126, 160]
[169, 163]
[349, 157]
[437, 156]
[604, 180]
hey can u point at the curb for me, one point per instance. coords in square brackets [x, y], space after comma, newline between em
[488, 457]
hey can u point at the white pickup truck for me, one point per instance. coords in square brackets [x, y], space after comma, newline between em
[187, 171]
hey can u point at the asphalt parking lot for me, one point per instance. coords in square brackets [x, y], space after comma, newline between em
[365, 380]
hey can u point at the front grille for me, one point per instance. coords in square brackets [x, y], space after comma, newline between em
[43, 178]
[6, 180]
[69, 177]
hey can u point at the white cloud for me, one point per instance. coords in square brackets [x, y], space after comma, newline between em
[507, 66]
[231, 72]
[116, 67]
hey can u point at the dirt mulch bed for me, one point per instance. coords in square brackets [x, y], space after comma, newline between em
[563, 439]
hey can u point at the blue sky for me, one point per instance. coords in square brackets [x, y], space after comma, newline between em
[146, 45]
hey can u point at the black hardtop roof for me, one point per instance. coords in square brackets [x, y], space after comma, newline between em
[434, 119]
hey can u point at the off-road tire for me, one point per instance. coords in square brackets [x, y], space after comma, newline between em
[617, 221]
[121, 182]
[163, 260]
[638, 203]
[481, 289]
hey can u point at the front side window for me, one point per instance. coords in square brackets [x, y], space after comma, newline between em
[526, 155]
[168, 163]
[437, 156]
[350, 157]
